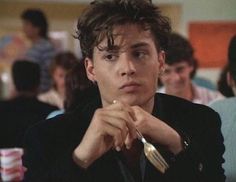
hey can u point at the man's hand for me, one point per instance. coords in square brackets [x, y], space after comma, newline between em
[157, 130]
[111, 127]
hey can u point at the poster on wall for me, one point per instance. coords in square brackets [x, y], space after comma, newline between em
[210, 41]
[12, 47]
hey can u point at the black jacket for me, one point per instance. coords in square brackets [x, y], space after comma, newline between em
[49, 147]
[17, 115]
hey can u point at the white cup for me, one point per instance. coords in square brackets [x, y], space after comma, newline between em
[11, 164]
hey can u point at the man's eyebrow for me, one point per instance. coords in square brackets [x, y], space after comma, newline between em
[141, 44]
[109, 49]
[116, 48]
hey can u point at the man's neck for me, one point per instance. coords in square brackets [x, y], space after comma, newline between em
[61, 92]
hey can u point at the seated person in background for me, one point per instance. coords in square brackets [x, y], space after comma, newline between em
[24, 110]
[123, 45]
[222, 84]
[61, 64]
[226, 108]
[78, 89]
[176, 77]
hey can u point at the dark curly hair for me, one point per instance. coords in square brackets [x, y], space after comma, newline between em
[99, 19]
[79, 88]
[232, 56]
[38, 19]
[179, 49]
[26, 75]
[65, 60]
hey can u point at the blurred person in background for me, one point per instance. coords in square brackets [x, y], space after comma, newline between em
[24, 110]
[79, 90]
[60, 65]
[178, 72]
[42, 51]
[222, 84]
[226, 108]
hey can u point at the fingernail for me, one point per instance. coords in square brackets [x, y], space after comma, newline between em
[128, 147]
[118, 149]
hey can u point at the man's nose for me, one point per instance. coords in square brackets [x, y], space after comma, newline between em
[127, 67]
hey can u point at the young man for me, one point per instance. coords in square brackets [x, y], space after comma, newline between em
[42, 51]
[226, 108]
[122, 43]
[179, 69]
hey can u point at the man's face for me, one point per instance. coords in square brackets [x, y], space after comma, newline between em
[30, 30]
[129, 72]
[176, 77]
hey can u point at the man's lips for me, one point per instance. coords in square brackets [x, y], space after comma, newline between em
[129, 87]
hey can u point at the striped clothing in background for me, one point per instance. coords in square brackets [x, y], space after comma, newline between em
[42, 52]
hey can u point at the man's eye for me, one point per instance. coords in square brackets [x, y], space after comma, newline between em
[110, 57]
[140, 54]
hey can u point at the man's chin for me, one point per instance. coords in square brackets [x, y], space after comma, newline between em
[130, 100]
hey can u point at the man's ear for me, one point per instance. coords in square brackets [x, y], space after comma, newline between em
[89, 66]
[161, 60]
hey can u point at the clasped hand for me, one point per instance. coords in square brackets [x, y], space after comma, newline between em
[115, 126]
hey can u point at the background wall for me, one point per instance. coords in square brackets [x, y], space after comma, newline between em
[204, 10]
[62, 15]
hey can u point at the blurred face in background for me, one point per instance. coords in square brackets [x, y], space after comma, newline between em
[30, 30]
[58, 76]
[176, 78]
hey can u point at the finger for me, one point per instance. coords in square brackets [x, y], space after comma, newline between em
[115, 133]
[136, 111]
[125, 107]
[117, 105]
[118, 123]
[105, 117]
[128, 141]
[124, 124]
[124, 116]
[139, 116]
[130, 118]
